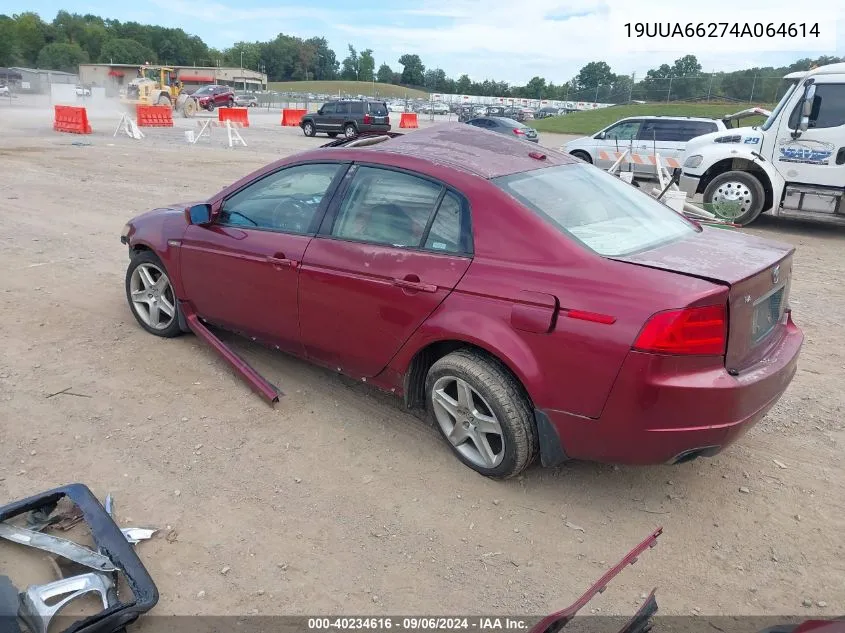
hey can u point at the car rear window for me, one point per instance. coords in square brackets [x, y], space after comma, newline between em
[378, 109]
[356, 107]
[603, 213]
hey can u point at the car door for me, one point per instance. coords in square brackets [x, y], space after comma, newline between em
[392, 247]
[817, 156]
[616, 138]
[659, 136]
[341, 115]
[241, 272]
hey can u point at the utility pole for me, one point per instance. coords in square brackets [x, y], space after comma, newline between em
[631, 89]
[710, 87]
[669, 91]
[753, 83]
[242, 69]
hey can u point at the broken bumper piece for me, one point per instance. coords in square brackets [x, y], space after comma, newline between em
[641, 621]
[114, 556]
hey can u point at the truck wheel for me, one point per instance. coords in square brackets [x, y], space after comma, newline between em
[163, 100]
[482, 412]
[736, 196]
[349, 130]
[308, 129]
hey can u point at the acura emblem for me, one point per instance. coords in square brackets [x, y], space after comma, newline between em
[775, 274]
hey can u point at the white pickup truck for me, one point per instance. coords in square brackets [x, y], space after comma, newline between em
[793, 165]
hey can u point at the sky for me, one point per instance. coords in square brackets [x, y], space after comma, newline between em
[504, 40]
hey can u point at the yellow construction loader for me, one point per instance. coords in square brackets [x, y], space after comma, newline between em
[158, 85]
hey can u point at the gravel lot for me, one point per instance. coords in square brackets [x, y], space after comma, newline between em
[338, 500]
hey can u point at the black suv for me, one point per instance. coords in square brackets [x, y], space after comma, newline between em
[348, 117]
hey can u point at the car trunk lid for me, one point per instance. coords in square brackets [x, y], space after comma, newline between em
[757, 272]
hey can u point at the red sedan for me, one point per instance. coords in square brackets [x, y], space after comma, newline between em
[532, 303]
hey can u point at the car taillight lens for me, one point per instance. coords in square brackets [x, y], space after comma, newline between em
[518, 132]
[387, 120]
[702, 330]
[367, 119]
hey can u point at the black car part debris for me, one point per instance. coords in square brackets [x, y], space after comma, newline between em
[114, 558]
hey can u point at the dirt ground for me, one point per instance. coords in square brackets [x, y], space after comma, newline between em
[338, 501]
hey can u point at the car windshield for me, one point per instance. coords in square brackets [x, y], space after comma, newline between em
[776, 112]
[603, 213]
[205, 90]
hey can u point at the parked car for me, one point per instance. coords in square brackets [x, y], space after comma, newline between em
[4, 91]
[396, 106]
[533, 304]
[515, 113]
[664, 135]
[81, 91]
[506, 126]
[347, 117]
[496, 111]
[214, 96]
[546, 112]
[246, 101]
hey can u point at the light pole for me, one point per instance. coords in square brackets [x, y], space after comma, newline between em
[242, 70]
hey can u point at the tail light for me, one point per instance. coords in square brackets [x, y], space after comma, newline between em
[519, 132]
[387, 120]
[702, 330]
[367, 119]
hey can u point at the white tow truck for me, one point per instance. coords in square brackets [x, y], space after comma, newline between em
[793, 165]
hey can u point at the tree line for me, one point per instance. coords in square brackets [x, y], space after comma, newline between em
[72, 39]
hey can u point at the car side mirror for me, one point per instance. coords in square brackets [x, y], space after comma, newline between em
[806, 109]
[601, 136]
[200, 214]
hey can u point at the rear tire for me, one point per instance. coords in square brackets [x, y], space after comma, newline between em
[350, 131]
[583, 156]
[737, 196]
[231, 103]
[163, 100]
[308, 129]
[483, 413]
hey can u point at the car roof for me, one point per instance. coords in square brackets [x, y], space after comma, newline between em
[669, 117]
[474, 151]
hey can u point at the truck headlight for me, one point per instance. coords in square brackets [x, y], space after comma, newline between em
[693, 161]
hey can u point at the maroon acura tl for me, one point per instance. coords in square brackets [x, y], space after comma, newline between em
[532, 303]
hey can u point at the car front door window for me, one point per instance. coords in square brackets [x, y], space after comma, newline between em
[286, 200]
[626, 131]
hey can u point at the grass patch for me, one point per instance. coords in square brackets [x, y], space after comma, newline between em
[592, 121]
[348, 88]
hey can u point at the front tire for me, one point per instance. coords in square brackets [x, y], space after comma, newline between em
[583, 156]
[308, 129]
[151, 297]
[737, 196]
[483, 413]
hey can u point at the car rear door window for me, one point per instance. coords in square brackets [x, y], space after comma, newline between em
[356, 107]
[450, 231]
[285, 201]
[386, 207]
[675, 131]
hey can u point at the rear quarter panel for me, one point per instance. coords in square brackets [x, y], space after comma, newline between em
[518, 256]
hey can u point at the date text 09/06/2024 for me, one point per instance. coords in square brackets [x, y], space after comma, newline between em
[417, 623]
[722, 29]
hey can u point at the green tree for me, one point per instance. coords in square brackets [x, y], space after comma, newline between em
[463, 85]
[535, 88]
[413, 71]
[126, 51]
[385, 74]
[10, 51]
[351, 65]
[31, 36]
[62, 56]
[366, 65]
[594, 74]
